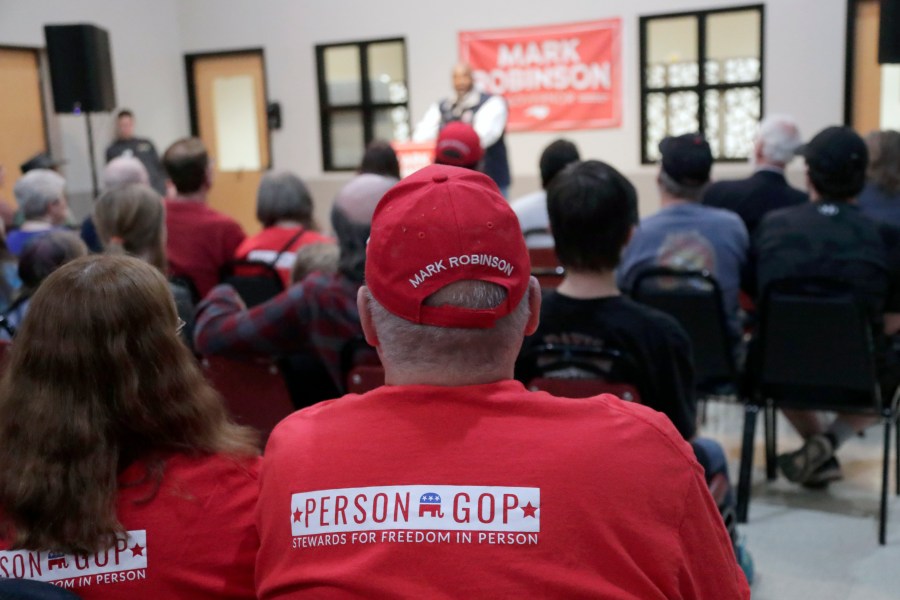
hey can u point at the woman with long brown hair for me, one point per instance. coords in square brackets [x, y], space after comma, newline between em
[121, 475]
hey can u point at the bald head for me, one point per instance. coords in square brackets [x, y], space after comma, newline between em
[462, 79]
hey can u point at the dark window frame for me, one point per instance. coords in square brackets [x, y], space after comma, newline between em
[702, 87]
[367, 107]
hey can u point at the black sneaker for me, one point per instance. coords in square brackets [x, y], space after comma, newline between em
[821, 477]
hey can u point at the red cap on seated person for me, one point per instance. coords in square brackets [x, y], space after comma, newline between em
[436, 227]
[458, 145]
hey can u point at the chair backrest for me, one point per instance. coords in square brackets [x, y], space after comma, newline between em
[363, 378]
[307, 378]
[254, 281]
[572, 371]
[545, 266]
[254, 391]
[360, 366]
[815, 347]
[694, 299]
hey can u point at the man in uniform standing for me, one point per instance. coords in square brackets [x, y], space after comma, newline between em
[143, 149]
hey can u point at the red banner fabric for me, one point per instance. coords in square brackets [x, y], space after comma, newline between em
[553, 77]
[413, 156]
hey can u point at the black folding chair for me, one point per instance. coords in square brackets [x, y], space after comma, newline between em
[814, 351]
[361, 368]
[572, 371]
[694, 299]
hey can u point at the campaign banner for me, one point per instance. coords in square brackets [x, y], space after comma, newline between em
[554, 77]
[413, 156]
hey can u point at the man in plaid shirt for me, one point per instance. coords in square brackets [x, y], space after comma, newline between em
[319, 313]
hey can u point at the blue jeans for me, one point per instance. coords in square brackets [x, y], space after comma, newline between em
[711, 457]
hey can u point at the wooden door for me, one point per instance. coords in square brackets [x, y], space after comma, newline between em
[22, 129]
[866, 115]
[229, 112]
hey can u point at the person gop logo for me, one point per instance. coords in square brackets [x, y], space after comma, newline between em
[430, 504]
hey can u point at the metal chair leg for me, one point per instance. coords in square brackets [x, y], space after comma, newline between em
[771, 451]
[882, 523]
[896, 453]
[746, 469]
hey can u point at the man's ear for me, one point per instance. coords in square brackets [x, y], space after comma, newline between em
[365, 316]
[534, 306]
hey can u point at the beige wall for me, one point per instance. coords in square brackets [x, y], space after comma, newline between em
[804, 66]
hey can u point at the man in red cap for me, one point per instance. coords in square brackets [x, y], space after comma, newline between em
[458, 146]
[453, 478]
[486, 113]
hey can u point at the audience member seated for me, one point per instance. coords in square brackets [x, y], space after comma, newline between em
[119, 470]
[40, 257]
[531, 209]
[458, 145]
[285, 209]
[380, 159]
[200, 240]
[119, 172]
[131, 220]
[322, 257]
[684, 234]
[880, 198]
[41, 196]
[767, 189]
[455, 472]
[10, 282]
[317, 315]
[7, 210]
[127, 144]
[41, 160]
[593, 210]
[831, 238]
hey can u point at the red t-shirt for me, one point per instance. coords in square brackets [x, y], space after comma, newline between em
[265, 246]
[200, 242]
[194, 539]
[487, 491]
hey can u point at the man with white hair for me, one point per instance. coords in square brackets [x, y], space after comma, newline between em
[40, 194]
[453, 479]
[766, 189]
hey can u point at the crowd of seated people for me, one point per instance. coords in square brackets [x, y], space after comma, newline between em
[153, 456]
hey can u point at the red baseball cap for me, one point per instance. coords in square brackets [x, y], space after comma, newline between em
[458, 145]
[438, 226]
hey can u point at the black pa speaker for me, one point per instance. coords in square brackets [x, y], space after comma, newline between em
[80, 68]
[889, 32]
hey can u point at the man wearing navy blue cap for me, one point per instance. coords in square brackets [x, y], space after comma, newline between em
[685, 234]
[830, 238]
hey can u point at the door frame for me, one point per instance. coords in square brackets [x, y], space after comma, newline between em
[190, 59]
